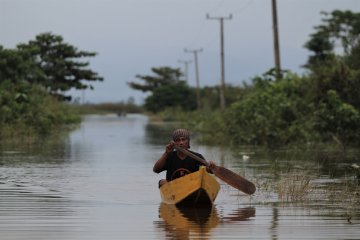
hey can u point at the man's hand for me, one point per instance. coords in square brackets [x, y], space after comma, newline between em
[211, 166]
[170, 147]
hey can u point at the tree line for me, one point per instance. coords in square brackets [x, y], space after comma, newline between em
[322, 105]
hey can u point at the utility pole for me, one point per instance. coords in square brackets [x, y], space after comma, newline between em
[195, 52]
[186, 63]
[276, 40]
[222, 85]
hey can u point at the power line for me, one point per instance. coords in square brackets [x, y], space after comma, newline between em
[245, 6]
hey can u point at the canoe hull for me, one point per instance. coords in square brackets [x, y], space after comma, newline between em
[198, 188]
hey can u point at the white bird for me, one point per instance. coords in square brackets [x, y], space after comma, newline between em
[355, 166]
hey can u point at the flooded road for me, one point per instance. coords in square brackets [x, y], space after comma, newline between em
[97, 183]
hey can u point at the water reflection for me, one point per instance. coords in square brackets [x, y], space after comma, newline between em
[54, 149]
[188, 222]
[274, 223]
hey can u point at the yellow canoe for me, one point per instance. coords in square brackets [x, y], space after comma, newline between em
[198, 188]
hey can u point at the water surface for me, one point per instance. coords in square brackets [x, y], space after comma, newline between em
[97, 183]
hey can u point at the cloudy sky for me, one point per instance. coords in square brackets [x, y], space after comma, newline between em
[132, 36]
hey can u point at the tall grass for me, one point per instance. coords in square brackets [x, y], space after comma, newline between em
[294, 188]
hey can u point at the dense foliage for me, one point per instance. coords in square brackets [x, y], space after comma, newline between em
[334, 69]
[33, 80]
[274, 112]
[27, 109]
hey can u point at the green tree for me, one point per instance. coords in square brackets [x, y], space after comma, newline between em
[17, 66]
[167, 90]
[335, 71]
[339, 29]
[335, 62]
[60, 63]
[176, 95]
[163, 76]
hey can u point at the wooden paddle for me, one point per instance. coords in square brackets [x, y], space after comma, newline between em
[224, 174]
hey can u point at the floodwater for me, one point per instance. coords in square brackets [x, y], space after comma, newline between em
[97, 183]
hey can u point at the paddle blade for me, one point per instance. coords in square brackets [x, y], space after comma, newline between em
[234, 180]
[224, 174]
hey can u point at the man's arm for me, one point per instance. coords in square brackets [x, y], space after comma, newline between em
[160, 164]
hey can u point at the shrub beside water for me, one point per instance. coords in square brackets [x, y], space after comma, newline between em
[27, 110]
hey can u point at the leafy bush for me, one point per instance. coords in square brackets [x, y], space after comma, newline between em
[29, 109]
[275, 112]
[337, 120]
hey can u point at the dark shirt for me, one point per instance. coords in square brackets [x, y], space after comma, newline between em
[175, 167]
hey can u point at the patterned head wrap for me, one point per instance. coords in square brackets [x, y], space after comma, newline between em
[181, 132]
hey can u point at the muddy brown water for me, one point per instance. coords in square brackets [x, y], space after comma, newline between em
[97, 183]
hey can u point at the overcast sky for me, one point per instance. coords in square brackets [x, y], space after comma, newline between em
[132, 36]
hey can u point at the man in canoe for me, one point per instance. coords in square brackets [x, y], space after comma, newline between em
[177, 163]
